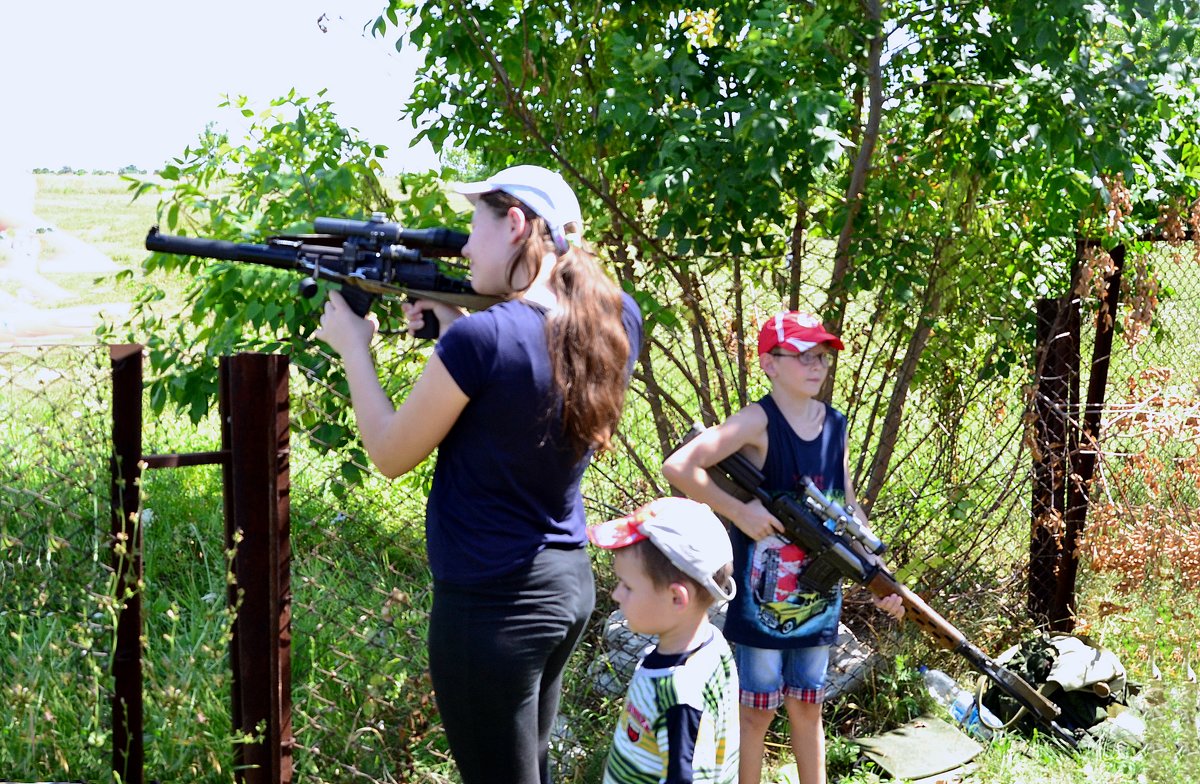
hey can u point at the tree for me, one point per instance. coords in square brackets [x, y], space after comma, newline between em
[296, 163]
[916, 172]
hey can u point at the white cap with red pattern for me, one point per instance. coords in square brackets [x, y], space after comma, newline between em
[686, 532]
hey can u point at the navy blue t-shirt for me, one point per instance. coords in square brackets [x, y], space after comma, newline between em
[506, 485]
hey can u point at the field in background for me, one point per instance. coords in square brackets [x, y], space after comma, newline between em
[97, 209]
[59, 271]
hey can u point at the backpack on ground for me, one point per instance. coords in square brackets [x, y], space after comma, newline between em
[1085, 680]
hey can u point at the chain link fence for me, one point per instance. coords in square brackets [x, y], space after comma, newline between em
[956, 509]
[56, 619]
[1143, 525]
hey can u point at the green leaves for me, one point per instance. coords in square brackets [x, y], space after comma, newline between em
[295, 163]
[714, 150]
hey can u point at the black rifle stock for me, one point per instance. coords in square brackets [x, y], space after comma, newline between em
[366, 259]
[834, 557]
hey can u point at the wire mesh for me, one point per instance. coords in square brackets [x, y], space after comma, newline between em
[56, 617]
[956, 510]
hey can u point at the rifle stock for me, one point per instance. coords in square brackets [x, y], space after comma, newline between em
[804, 525]
[945, 634]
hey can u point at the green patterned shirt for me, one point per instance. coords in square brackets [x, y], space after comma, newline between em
[680, 720]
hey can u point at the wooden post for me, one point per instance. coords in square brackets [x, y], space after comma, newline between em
[1052, 422]
[1083, 453]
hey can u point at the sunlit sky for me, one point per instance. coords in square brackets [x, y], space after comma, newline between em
[101, 85]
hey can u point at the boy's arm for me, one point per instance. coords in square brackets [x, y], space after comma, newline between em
[687, 470]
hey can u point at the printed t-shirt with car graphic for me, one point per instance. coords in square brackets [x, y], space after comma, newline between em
[772, 609]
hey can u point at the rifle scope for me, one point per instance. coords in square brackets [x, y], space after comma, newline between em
[431, 242]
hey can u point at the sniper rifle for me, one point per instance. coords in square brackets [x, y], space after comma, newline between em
[366, 259]
[839, 546]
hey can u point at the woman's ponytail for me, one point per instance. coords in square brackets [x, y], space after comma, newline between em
[589, 348]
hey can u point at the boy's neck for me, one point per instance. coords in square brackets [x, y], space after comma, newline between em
[688, 635]
[798, 406]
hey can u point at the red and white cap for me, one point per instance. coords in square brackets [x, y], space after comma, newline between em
[796, 331]
[687, 532]
[541, 190]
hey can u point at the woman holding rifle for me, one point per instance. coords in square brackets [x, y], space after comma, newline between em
[516, 399]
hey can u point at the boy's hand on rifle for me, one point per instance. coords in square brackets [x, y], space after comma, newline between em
[342, 329]
[756, 522]
[415, 310]
[893, 605]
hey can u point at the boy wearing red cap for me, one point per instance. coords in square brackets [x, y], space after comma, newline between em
[781, 631]
[680, 720]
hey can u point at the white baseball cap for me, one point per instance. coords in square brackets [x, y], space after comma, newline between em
[685, 531]
[543, 191]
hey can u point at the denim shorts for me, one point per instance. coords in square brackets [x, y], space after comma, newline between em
[767, 676]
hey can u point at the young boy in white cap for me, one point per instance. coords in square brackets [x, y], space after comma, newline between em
[673, 560]
[781, 630]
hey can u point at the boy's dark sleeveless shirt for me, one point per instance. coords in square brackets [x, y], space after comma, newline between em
[789, 458]
[505, 487]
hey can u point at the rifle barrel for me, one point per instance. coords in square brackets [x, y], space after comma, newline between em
[270, 255]
[391, 270]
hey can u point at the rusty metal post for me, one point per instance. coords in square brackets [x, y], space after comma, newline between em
[1084, 451]
[254, 431]
[1051, 422]
[128, 757]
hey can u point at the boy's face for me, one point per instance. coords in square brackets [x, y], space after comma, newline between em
[648, 608]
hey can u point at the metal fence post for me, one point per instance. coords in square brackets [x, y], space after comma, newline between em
[128, 758]
[254, 431]
[1057, 344]
[1084, 450]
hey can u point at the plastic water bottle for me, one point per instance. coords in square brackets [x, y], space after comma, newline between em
[959, 702]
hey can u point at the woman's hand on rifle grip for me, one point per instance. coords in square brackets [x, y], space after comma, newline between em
[444, 314]
[342, 330]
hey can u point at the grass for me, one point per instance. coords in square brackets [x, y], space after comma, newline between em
[93, 209]
[96, 211]
[97, 208]
[361, 594]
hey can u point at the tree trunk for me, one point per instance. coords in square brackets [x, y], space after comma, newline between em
[895, 408]
[836, 304]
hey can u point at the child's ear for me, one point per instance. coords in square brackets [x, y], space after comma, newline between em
[681, 595]
[516, 221]
[766, 363]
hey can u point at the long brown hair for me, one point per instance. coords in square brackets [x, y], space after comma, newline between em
[587, 341]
